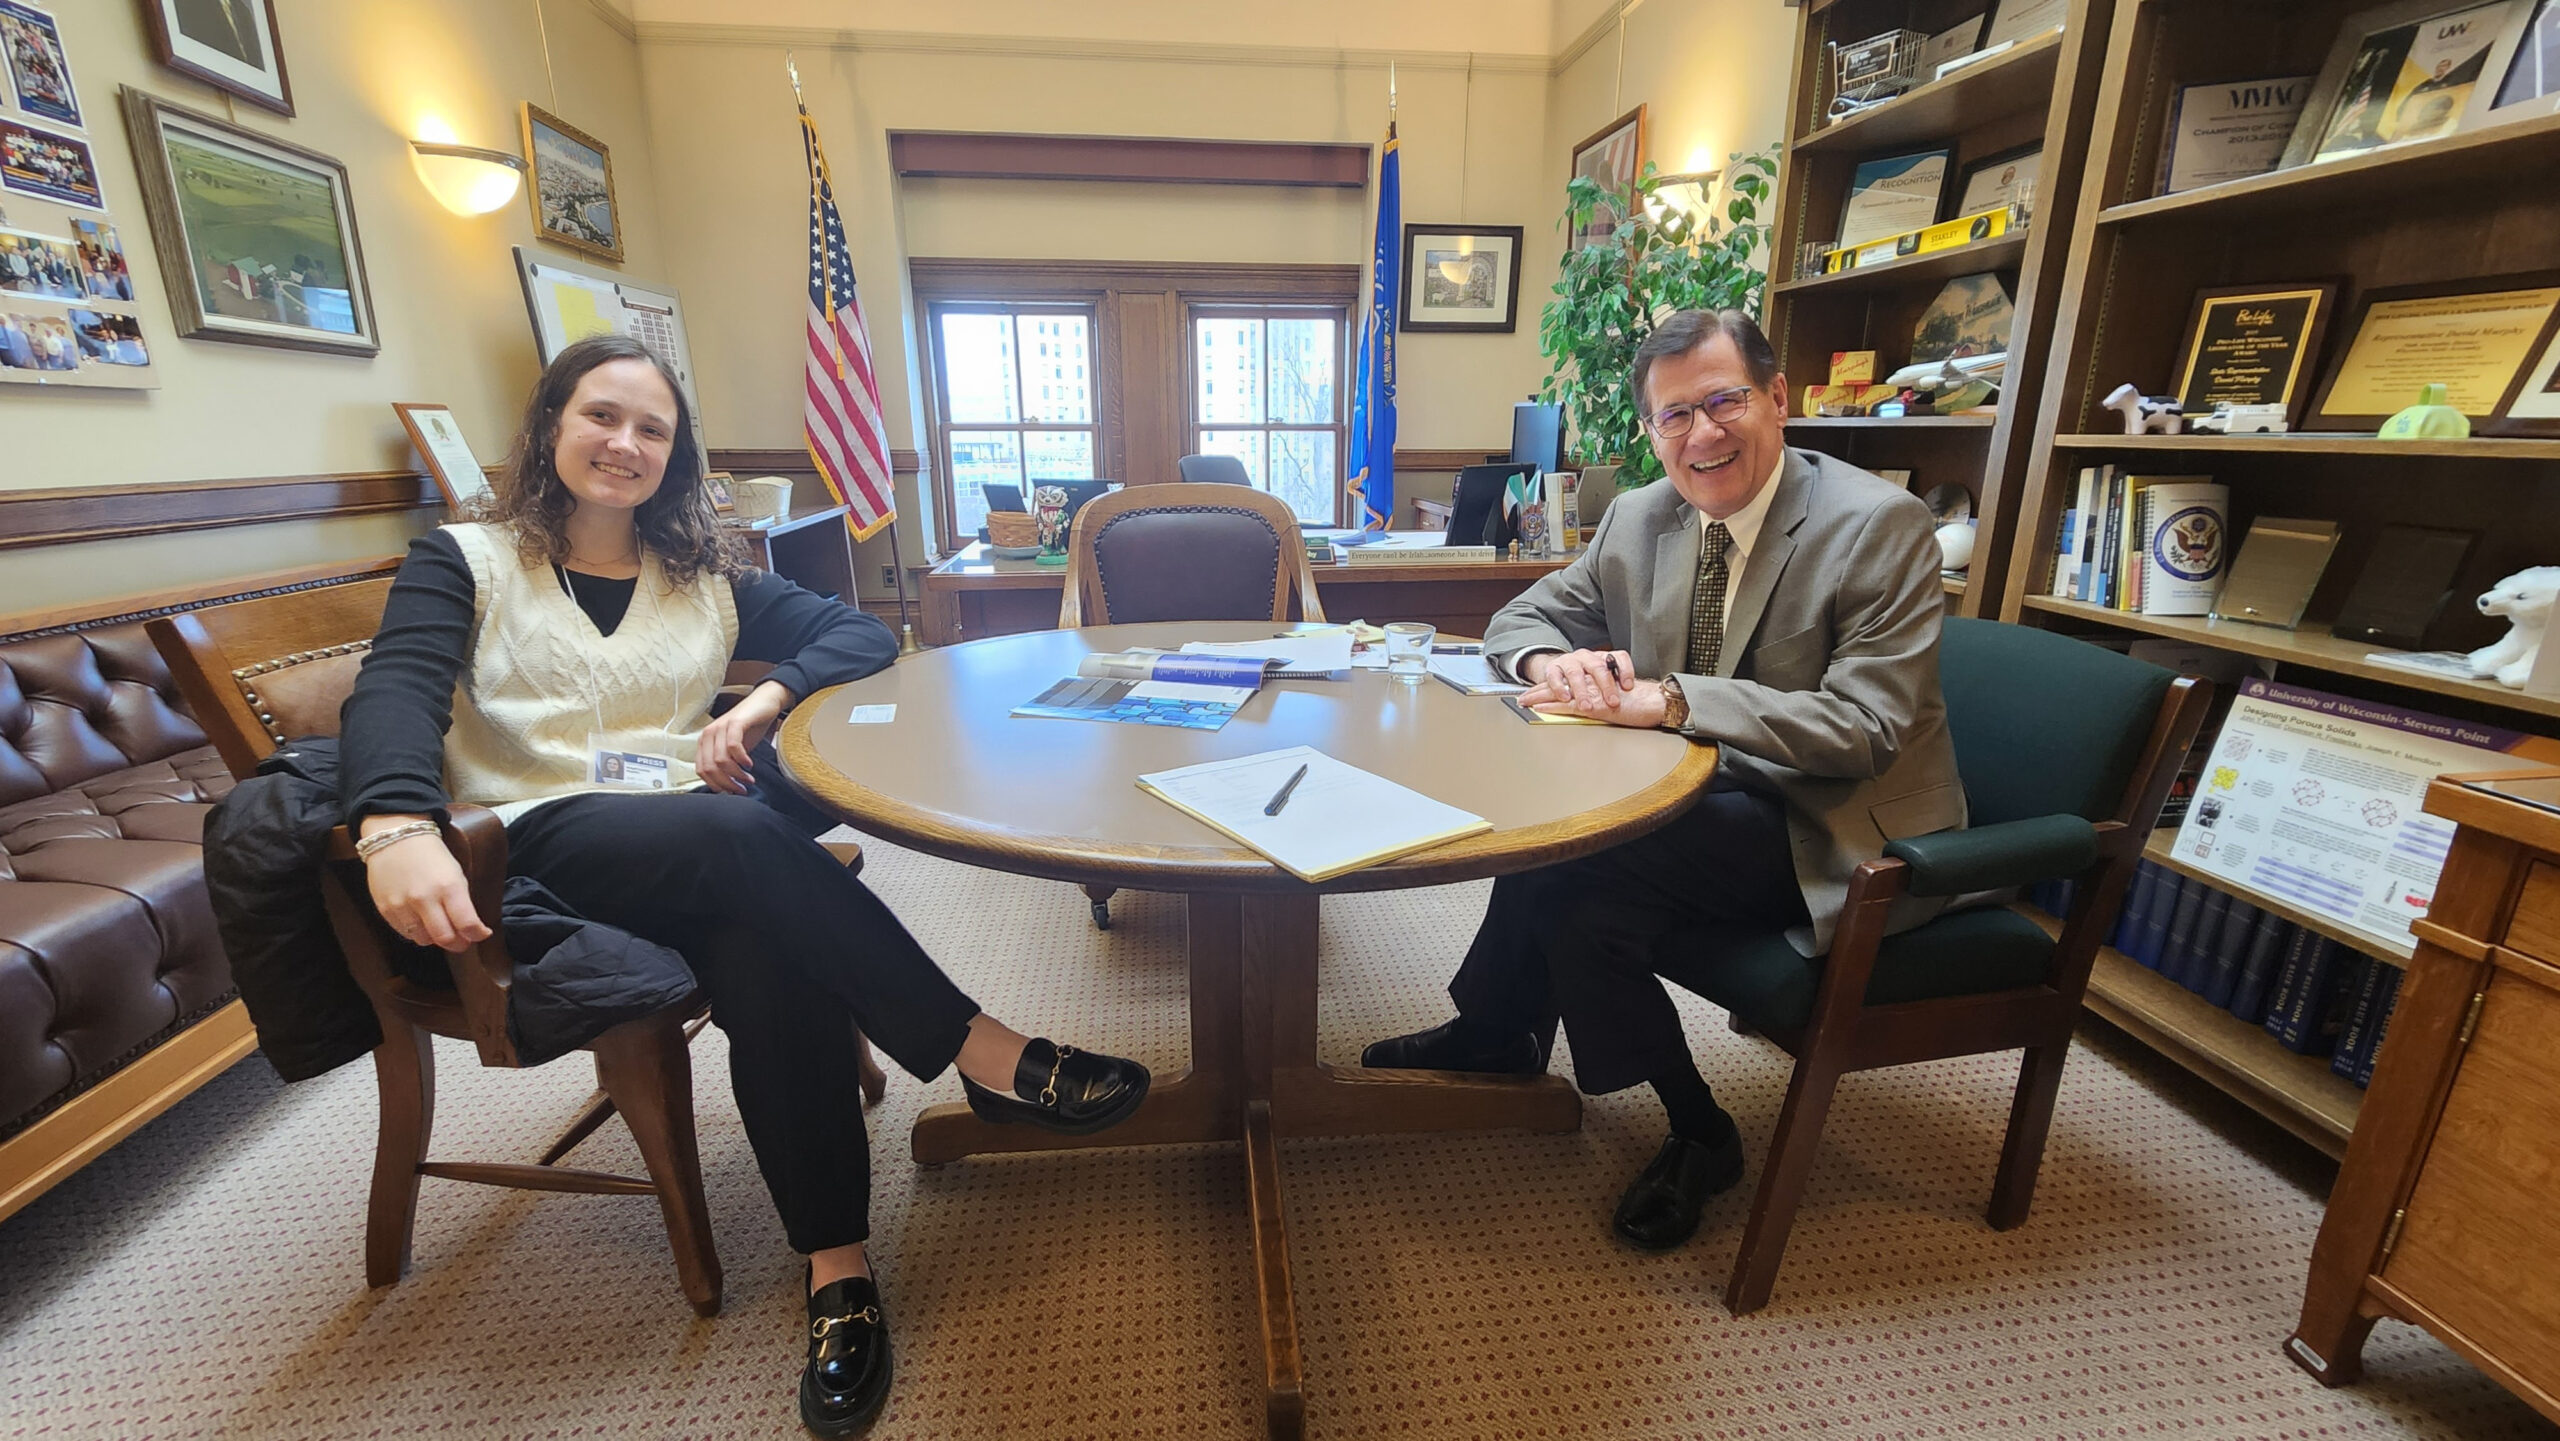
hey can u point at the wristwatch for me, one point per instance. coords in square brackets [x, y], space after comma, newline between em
[1675, 705]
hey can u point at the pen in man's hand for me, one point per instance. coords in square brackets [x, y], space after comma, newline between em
[1612, 662]
[1280, 797]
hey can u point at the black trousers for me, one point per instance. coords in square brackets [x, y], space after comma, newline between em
[793, 952]
[1577, 941]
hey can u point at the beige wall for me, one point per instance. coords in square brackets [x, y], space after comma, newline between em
[1711, 74]
[451, 314]
[1514, 27]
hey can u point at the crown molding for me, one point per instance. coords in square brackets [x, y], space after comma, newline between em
[1602, 26]
[1161, 52]
[614, 20]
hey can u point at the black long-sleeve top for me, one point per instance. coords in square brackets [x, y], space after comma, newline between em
[393, 725]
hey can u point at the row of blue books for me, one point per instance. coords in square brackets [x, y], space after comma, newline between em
[2316, 996]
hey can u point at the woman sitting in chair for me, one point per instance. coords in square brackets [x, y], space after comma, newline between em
[555, 660]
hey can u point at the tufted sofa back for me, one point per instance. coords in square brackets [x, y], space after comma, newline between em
[78, 705]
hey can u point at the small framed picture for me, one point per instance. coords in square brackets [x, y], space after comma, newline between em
[1614, 156]
[257, 237]
[1954, 42]
[572, 189]
[1894, 193]
[2024, 20]
[2525, 67]
[437, 438]
[1461, 278]
[32, 46]
[38, 162]
[2398, 73]
[228, 44]
[1999, 180]
[718, 485]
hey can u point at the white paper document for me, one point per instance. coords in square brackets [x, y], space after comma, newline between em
[871, 715]
[1301, 654]
[1339, 818]
[1473, 674]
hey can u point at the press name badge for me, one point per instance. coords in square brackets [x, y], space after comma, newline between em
[629, 770]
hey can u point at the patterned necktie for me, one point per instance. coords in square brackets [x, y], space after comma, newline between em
[1706, 603]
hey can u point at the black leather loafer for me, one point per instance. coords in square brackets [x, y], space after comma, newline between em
[1446, 1047]
[847, 1379]
[1062, 1089]
[1660, 1211]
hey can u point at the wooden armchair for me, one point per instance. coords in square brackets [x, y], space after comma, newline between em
[2066, 751]
[258, 672]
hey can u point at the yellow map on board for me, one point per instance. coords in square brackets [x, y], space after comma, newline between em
[579, 317]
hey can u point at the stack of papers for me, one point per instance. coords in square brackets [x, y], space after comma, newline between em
[1339, 818]
[1304, 655]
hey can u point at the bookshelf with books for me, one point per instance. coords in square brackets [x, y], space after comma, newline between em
[2030, 92]
[2450, 214]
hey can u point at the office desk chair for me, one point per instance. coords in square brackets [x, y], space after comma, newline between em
[1213, 470]
[1183, 552]
[2066, 751]
[260, 672]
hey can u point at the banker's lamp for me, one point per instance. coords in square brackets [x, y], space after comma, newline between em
[465, 179]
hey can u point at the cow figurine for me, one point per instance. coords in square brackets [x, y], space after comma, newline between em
[2144, 414]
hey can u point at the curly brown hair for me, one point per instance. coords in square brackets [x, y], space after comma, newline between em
[677, 524]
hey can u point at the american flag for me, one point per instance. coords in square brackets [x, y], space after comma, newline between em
[841, 411]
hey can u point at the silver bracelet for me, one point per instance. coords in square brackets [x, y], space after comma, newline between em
[392, 837]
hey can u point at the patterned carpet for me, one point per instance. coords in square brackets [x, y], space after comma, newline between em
[205, 1277]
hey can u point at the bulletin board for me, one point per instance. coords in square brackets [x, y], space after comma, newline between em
[568, 305]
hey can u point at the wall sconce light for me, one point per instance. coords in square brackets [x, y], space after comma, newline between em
[466, 179]
[1691, 194]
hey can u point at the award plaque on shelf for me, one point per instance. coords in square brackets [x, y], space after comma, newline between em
[1893, 194]
[2535, 409]
[2229, 130]
[2404, 586]
[2473, 337]
[2252, 345]
[2279, 564]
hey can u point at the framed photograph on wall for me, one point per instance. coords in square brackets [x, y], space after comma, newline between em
[2524, 69]
[228, 44]
[35, 161]
[32, 47]
[257, 237]
[437, 438]
[572, 189]
[2398, 73]
[1461, 278]
[1614, 156]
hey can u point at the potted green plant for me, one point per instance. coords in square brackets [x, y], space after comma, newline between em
[1661, 259]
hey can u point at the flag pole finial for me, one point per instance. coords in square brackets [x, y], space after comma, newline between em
[791, 62]
[1391, 90]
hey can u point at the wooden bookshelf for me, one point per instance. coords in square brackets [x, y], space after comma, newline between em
[1951, 585]
[2039, 94]
[2161, 849]
[2466, 206]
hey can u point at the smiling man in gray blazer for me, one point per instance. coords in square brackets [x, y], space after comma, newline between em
[1781, 604]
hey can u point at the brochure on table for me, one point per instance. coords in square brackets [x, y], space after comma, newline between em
[2313, 799]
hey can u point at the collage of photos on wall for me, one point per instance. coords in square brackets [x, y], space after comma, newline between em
[67, 314]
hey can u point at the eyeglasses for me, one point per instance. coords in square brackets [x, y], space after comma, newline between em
[1724, 408]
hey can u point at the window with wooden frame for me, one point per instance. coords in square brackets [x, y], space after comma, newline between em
[1015, 386]
[1268, 387]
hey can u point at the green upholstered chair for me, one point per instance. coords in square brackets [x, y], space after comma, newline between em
[2066, 751]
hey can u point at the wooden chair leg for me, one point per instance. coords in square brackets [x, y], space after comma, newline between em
[1782, 1179]
[648, 1071]
[2030, 1121]
[875, 1082]
[404, 1070]
[1101, 898]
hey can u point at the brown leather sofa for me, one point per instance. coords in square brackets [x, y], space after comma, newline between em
[115, 998]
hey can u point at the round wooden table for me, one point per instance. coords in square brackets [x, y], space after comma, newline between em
[956, 775]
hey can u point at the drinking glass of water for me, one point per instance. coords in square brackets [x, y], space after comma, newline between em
[1409, 650]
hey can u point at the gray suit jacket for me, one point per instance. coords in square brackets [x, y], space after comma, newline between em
[1827, 691]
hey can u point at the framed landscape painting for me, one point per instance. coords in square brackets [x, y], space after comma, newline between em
[572, 190]
[229, 44]
[257, 237]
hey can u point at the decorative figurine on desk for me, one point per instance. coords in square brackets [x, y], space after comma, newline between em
[2430, 419]
[1955, 545]
[2229, 419]
[1049, 503]
[2145, 414]
[2524, 598]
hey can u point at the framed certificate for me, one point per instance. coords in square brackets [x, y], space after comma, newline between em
[2024, 20]
[2253, 345]
[2475, 338]
[438, 440]
[2398, 73]
[2524, 69]
[1894, 193]
[1995, 182]
[2229, 130]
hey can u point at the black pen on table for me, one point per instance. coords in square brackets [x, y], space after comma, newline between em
[1280, 797]
[1611, 662]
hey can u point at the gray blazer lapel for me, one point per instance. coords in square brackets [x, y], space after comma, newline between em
[1768, 561]
[1661, 637]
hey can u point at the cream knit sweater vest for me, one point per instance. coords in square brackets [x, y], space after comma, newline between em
[542, 689]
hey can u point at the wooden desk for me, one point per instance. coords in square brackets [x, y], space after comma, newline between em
[2440, 1213]
[974, 595]
[956, 775]
[814, 550]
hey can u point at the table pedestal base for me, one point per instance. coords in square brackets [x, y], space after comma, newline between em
[1254, 1077]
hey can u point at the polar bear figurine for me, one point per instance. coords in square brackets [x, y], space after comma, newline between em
[2524, 598]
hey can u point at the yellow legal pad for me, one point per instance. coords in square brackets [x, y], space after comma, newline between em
[1338, 819]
